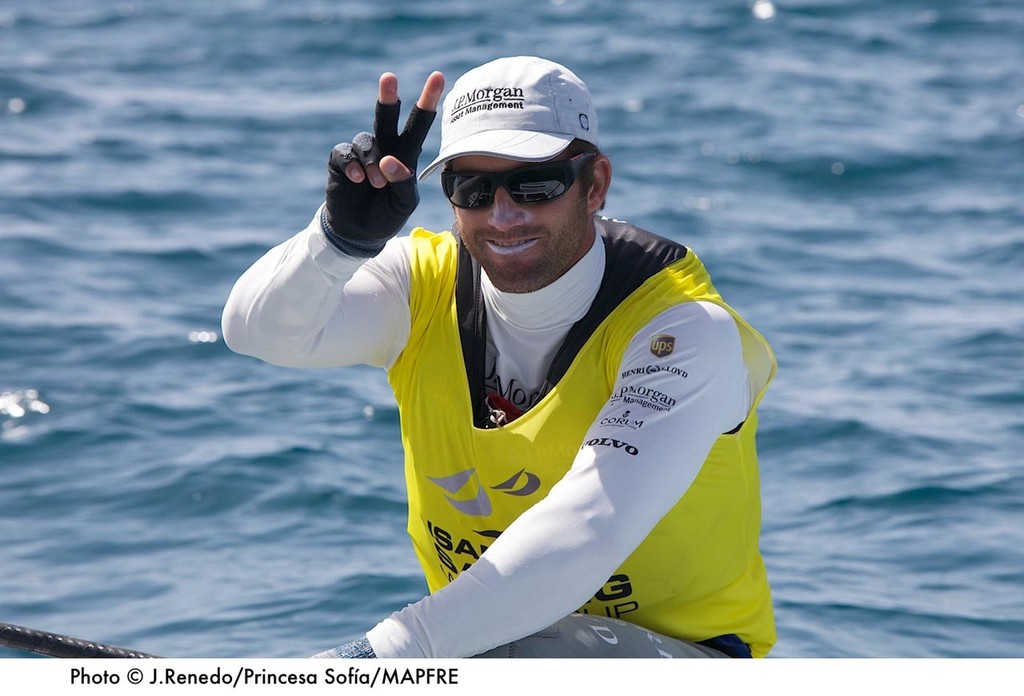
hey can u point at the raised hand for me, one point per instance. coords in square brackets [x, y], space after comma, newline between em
[371, 182]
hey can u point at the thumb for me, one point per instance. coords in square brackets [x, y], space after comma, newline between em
[403, 196]
[393, 169]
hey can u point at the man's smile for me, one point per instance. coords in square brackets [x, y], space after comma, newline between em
[515, 246]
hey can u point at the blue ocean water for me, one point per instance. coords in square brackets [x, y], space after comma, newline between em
[852, 172]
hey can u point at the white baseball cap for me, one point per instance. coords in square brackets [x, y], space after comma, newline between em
[521, 108]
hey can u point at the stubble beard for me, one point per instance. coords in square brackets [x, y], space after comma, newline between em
[562, 252]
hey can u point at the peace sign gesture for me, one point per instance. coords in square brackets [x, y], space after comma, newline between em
[371, 184]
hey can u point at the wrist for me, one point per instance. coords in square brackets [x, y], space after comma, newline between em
[359, 248]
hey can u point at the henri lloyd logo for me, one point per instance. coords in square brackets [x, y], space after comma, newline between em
[486, 99]
[653, 370]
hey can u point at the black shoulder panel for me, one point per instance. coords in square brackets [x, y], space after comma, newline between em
[632, 255]
[469, 307]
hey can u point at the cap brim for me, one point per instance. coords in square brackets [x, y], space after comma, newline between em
[522, 146]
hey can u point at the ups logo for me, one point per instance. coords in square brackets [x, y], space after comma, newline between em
[662, 345]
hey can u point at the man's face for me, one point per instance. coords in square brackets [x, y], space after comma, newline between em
[524, 247]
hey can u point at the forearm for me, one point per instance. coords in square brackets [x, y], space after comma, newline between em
[305, 304]
[517, 587]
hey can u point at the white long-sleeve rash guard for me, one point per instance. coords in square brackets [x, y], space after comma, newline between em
[305, 304]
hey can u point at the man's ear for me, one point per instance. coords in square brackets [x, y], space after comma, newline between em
[601, 181]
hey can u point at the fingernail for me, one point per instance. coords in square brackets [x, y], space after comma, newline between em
[391, 167]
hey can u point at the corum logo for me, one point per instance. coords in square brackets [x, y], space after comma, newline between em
[623, 421]
[478, 504]
[662, 345]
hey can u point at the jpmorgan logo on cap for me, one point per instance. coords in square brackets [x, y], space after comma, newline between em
[662, 345]
[485, 99]
[521, 108]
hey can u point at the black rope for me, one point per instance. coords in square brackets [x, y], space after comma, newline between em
[56, 645]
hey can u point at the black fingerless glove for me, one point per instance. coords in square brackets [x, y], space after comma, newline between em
[356, 649]
[359, 219]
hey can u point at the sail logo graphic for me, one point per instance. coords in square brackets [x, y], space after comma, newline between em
[460, 489]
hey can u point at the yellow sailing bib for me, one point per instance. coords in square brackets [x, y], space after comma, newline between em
[699, 573]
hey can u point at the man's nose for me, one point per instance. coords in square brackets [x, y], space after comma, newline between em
[505, 213]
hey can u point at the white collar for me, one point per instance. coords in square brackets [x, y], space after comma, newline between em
[562, 303]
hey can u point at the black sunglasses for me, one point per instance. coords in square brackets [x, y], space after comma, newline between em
[537, 183]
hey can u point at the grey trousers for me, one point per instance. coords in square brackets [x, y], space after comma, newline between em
[583, 635]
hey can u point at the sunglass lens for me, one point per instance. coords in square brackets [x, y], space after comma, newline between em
[470, 190]
[535, 187]
[534, 184]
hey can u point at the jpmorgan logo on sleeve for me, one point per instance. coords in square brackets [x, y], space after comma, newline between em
[645, 397]
[662, 345]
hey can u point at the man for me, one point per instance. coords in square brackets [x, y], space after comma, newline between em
[577, 402]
